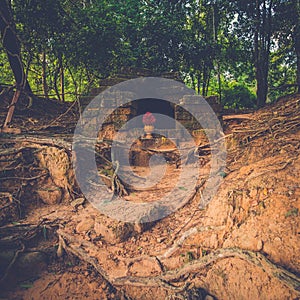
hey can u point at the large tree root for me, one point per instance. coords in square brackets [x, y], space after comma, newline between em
[176, 280]
[21, 143]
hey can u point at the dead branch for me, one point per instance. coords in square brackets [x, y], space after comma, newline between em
[11, 108]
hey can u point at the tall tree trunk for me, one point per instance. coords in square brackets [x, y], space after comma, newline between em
[262, 83]
[262, 42]
[12, 46]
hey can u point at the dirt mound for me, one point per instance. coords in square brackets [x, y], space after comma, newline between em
[39, 115]
[244, 245]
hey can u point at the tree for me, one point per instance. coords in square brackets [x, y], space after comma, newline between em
[262, 43]
[201, 48]
[12, 47]
[254, 23]
[153, 32]
[71, 44]
[287, 33]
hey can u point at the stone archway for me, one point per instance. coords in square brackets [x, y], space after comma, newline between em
[158, 106]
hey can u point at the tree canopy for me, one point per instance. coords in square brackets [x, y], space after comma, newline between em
[246, 52]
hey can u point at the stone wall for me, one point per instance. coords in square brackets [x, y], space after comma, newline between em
[123, 114]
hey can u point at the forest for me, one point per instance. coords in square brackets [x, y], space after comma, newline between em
[150, 149]
[247, 52]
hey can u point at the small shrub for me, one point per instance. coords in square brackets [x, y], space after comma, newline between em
[237, 95]
[292, 213]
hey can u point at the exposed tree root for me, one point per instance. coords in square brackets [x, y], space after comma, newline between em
[175, 280]
[20, 144]
[277, 122]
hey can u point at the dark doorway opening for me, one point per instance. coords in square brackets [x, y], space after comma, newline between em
[156, 106]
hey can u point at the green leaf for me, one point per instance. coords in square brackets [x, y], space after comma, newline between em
[45, 232]
[292, 212]
[26, 285]
[223, 174]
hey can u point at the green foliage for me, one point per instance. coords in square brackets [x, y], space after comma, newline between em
[189, 256]
[282, 72]
[6, 75]
[210, 42]
[238, 95]
[86, 36]
[292, 212]
[26, 285]
[154, 34]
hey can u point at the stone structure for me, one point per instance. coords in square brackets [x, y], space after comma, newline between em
[134, 108]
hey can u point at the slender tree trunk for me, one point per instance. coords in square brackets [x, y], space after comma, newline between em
[258, 74]
[56, 74]
[204, 81]
[62, 79]
[198, 83]
[44, 75]
[193, 81]
[219, 81]
[215, 35]
[207, 81]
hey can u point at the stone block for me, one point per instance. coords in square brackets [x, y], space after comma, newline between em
[123, 111]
